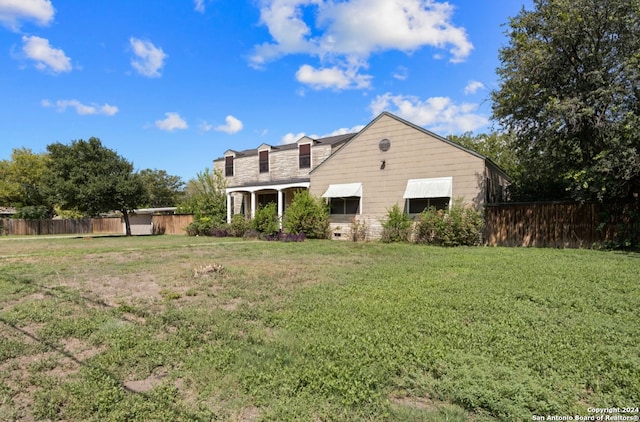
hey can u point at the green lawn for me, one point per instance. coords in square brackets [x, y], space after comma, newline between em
[119, 328]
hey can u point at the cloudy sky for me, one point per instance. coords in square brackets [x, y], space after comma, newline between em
[172, 84]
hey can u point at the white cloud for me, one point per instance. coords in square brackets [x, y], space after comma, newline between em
[83, 109]
[232, 125]
[171, 122]
[344, 131]
[45, 56]
[291, 138]
[199, 5]
[473, 87]
[149, 59]
[332, 77]
[401, 73]
[348, 32]
[14, 11]
[439, 114]
[205, 126]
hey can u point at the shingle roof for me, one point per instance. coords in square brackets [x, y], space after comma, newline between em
[329, 140]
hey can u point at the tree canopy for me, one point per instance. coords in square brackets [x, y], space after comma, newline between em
[93, 179]
[570, 94]
[22, 178]
[205, 197]
[163, 189]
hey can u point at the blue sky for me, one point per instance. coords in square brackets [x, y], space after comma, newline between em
[173, 84]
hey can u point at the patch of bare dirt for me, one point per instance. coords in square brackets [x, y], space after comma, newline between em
[248, 414]
[423, 403]
[113, 290]
[147, 384]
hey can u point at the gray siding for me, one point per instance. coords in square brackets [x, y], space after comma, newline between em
[283, 165]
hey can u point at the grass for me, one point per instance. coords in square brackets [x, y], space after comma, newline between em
[183, 328]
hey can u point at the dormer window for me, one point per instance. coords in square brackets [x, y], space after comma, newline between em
[304, 156]
[264, 161]
[228, 166]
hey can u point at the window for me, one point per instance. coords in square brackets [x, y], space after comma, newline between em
[421, 194]
[264, 161]
[344, 198]
[349, 205]
[417, 205]
[305, 156]
[228, 166]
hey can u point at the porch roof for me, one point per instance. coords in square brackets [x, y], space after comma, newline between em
[271, 185]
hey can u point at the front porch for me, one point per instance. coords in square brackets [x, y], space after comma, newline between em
[246, 199]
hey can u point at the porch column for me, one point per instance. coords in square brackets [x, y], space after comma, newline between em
[253, 205]
[280, 205]
[229, 208]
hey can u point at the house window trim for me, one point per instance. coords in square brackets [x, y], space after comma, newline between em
[344, 192]
[263, 164]
[304, 160]
[229, 165]
[429, 204]
[438, 189]
[345, 202]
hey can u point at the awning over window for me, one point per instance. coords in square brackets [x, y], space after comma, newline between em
[437, 187]
[344, 190]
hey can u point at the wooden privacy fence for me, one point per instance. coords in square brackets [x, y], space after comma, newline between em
[9, 226]
[162, 224]
[170, 224]
[558, 225]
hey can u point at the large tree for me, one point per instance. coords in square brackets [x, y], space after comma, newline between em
[496, 146]
[164, 190]
[22, 179]
[93, 179]
[205, 197]
[570, 93]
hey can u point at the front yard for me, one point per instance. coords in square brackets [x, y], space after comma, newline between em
[184, 328]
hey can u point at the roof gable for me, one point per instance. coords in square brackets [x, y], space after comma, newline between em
[355, 137]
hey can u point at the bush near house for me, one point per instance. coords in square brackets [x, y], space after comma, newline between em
[397, 226]
[266, 220]
[458, 226]
[308, 215]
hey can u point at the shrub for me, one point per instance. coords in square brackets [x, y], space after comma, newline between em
[33, 212]
[307, 214]
[286, 237]
[222, 231]
[203, 226]
[458, 226]
[239, 225]
[251, 234]
[397, 226]
[266, 220]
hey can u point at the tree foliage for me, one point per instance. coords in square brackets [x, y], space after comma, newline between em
[496, 146]
[93, 179]
[570, 91]
[206, 197]
[22, 179]
[307, 214]
[163, 189]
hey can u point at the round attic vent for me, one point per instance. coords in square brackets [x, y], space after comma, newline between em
[384, 145]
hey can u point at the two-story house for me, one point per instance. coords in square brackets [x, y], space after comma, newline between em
[272, 173]
[362, 175]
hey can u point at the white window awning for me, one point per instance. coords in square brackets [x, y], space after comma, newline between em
[437, 187]
[344, 190]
